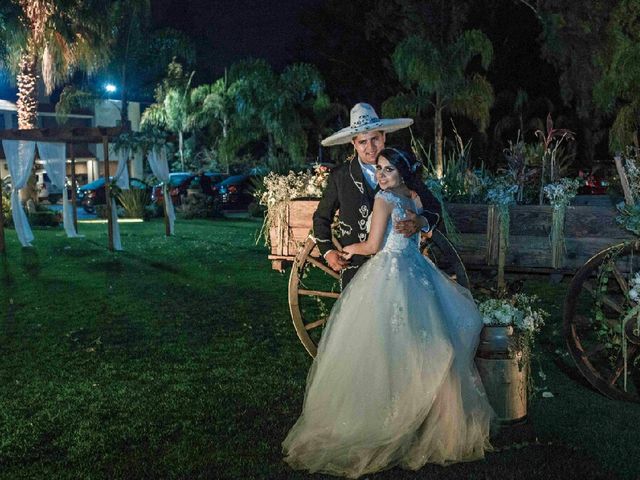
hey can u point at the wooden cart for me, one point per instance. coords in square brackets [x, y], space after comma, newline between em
[596, 299]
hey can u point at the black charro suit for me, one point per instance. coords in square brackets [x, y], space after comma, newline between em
[349, 192]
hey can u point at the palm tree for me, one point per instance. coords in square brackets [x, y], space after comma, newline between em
[173, 109]
[276, 107]
[618, 91]
[216, 102]
[51, 39]
[436, 77]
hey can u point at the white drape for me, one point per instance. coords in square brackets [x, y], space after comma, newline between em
[20, 155]
[160, 168]
[54, 158]
[121, 179]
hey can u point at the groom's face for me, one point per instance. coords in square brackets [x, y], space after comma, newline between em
[369, 145]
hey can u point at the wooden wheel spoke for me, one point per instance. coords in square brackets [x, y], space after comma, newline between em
[316, 324]
[608, 300]
[582, 322]
[323, 267]
[594, 349]
[620, 278]
[619, 367]
[318, 293]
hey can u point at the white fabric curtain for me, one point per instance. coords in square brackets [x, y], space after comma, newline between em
[121, 179]
[20, 155]
[54, 158]
[160, 168]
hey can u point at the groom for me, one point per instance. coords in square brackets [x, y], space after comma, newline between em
[352, 187]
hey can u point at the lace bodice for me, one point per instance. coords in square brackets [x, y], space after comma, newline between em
[393, 241]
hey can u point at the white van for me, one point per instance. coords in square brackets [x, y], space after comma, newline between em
[46, 189]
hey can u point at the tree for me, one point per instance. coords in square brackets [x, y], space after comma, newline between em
[352, 42]
[51, 39]
[278, 109]
[572, 38]
[619, 88]
[437, 77]
[173, 110]
[216, 103]
[140, 54]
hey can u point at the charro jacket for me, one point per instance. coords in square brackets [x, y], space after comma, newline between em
[348, 191]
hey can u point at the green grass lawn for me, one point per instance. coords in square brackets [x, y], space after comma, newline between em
[177, 359]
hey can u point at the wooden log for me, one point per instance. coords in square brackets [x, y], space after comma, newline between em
[493, 235]
[107, 191]
[73, 186]
[2, 244]
[469, 218]
[628, 197]
[64, 134]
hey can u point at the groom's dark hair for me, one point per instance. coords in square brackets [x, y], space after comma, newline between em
[406, 163]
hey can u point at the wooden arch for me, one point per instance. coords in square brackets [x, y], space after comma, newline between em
[70, 136]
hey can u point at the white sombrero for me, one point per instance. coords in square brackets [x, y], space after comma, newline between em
[365, 119]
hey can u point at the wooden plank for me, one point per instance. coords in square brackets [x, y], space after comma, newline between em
[2, 244]
[584, 221]
[63, 135]
[107, 191]
[301, 212]
[73, 187]
[468, 218]
[530, 220]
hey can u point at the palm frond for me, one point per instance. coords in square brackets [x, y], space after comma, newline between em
[624, 128]
[418, 62]
[475, 101]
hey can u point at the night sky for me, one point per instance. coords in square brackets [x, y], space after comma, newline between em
[226, 31]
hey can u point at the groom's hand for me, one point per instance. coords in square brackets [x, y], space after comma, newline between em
[411, 225]
[336, 260]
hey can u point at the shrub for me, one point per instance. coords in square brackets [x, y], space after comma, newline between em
[256, 210]
[134, 202]
[198, 205]
[101, 211]
[6, 207]
[153, 210]
[44, 218]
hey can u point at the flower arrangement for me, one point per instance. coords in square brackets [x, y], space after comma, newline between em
[613, 334]
[629, 216]
[501, 194]
[560, 195]
[519, 311]
[280, 189]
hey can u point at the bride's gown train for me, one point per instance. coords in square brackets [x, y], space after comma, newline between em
[394, 382]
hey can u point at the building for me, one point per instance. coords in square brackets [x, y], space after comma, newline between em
[89, 158]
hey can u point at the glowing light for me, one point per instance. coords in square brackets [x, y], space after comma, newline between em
[110, 88]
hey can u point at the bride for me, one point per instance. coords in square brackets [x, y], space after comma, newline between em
[394, 381]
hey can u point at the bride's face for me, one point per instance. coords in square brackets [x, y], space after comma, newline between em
[387, 175]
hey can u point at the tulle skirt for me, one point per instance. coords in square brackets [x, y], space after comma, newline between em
[394, 382]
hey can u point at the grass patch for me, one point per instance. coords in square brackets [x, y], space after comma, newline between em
[177, 359]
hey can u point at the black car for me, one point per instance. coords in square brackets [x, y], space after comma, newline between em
[236, 192]
[179, 182]
[93, 193]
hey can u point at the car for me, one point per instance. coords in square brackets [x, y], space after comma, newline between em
[236, 192]
[593, 184]
[93, 193]
[46, 189]
[179, 182]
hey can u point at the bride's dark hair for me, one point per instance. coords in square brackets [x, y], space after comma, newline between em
[406, 163]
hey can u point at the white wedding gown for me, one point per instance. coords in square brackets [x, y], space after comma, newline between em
[394, 382]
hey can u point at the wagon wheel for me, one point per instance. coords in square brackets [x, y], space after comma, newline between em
[314, 287]
[593, 322]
